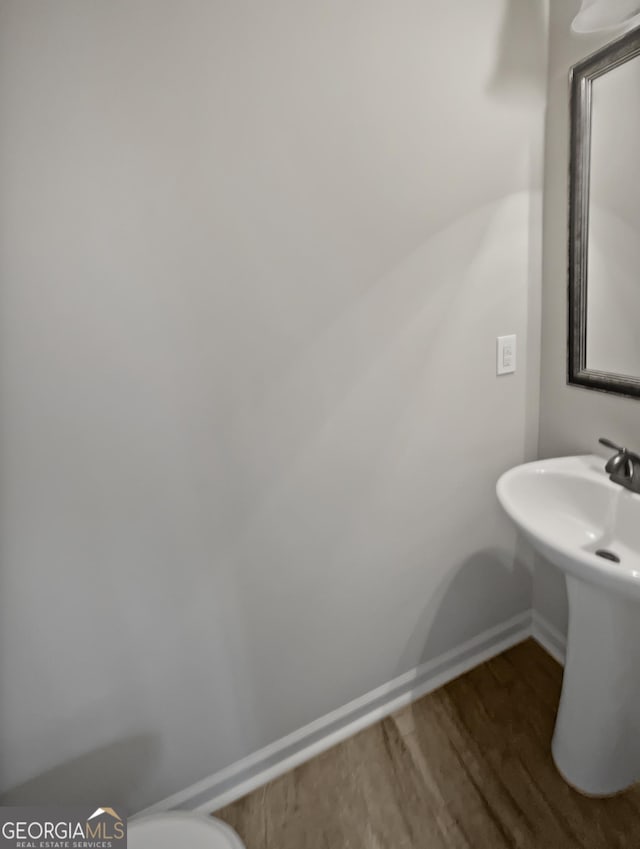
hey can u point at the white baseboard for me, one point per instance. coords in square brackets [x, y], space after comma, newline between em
[274, 760]
[548, 636]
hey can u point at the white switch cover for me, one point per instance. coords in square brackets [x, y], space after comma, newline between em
[506, 354]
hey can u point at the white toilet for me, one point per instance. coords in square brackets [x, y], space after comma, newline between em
[181, 829]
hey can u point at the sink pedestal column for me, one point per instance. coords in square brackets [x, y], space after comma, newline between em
[596, 743]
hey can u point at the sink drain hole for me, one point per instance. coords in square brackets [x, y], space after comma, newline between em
[608, 555]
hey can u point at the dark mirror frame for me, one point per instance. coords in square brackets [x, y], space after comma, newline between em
[581, 78]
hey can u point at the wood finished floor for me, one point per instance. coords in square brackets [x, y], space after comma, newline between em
[468, 767]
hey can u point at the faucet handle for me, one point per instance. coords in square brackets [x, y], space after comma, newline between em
[624, 467]
[609, 444]
[620, 461]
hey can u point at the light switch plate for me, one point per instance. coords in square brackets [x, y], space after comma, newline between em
[506, 354]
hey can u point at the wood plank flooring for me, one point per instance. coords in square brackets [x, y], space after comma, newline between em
[466, 767]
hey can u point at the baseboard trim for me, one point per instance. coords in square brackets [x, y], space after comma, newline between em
[238, 779]
[548, 636]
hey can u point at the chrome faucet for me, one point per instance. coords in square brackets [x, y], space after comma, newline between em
[624, 467]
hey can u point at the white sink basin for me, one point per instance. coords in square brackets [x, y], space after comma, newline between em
[569, 510]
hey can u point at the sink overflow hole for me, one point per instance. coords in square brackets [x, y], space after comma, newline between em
[608, 555]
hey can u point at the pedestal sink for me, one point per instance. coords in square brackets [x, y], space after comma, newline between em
[589, 528]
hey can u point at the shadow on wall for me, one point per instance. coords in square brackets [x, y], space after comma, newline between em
[521, 67]
[111, 773]
[550, 595]
[372, 434]
[480, 585]
[519, 80]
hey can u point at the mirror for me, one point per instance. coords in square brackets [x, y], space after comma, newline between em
[604, 219]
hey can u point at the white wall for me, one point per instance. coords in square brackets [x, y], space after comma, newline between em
[571, 418]
[254, 258]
